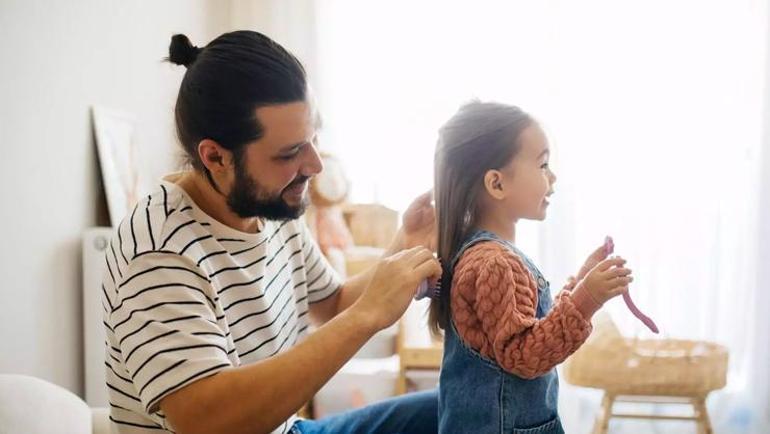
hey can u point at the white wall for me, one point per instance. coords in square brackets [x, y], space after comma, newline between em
[57, 58]
[761, 341]
[291, 23]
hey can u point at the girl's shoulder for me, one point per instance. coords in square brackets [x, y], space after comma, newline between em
[490, 255]
[494, 266]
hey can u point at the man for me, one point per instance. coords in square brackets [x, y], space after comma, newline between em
[211, 281]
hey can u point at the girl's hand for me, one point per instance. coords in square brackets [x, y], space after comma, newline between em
[608, 279]
[598, 255]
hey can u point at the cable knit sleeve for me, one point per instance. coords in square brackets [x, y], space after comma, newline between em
[494, 301]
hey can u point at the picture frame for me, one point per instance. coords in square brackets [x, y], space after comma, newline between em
[116, 148]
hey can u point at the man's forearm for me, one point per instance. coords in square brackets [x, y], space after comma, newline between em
[257, 398]
[353, 287]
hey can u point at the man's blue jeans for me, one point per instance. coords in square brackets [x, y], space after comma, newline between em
[413, 413]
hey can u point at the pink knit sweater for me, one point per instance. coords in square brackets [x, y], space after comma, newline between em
[494, 300]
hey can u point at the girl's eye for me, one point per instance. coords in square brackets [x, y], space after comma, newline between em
[544, 166]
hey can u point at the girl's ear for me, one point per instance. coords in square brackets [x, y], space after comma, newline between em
[493, 184]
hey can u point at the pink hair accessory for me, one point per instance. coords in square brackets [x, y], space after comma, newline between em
[609, 247]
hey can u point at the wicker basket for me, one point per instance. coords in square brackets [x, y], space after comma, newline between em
[660, 367]
[371, 225]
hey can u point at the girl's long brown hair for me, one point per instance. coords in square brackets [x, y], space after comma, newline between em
[481, 136]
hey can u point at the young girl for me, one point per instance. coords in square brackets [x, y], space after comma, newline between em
[503, 333]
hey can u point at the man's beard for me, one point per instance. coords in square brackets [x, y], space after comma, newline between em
[248, 199]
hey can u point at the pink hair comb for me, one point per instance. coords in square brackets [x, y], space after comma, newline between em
[424, 290]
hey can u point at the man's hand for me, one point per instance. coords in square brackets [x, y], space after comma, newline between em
[419, 223]
[393, 285]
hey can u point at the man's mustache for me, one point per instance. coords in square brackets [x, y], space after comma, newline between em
[298, 180]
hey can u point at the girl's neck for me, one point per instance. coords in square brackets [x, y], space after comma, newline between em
[501, 226]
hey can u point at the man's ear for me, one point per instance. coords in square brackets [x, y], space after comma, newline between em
[214, 157]
[493, 184]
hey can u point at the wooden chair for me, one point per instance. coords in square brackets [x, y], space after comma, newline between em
[415, 347]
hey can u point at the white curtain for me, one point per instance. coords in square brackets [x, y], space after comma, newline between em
[655, 112]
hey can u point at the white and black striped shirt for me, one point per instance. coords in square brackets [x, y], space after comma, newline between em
[186, 296]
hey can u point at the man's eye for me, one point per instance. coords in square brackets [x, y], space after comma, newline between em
[290, 156]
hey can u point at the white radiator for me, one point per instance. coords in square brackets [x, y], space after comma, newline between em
[95, 241]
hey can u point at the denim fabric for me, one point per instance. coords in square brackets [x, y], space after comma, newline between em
[413, 413]
[477, 396]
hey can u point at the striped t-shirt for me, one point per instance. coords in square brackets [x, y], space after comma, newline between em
[186, 296]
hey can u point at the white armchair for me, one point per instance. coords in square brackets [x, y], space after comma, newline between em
[29, 405]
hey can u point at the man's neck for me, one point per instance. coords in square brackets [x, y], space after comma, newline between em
[214, 203]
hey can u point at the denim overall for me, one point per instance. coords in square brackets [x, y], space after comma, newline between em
[478, 396]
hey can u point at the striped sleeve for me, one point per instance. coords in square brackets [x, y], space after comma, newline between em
[322, 280]
[165, 321]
